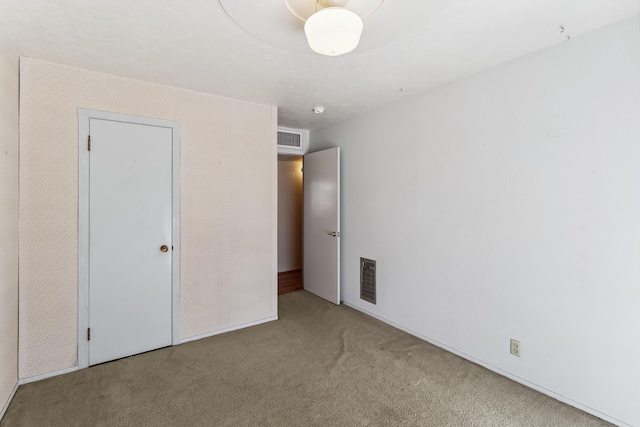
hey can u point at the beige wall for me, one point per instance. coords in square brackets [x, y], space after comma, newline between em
[228, 188]
[8, 220]
[289, 213]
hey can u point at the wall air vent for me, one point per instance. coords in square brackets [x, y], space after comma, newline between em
[368, 280]
[287, 139]
[292, 141]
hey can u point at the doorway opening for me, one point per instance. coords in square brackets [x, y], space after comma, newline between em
[290, 202]
[309, 223]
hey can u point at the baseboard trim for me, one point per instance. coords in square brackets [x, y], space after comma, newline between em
[495, 369]
[233, 328]
[194, 338]
[6, 405]
[47, 375]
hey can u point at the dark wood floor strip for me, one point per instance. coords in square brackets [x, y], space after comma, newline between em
[289, 281]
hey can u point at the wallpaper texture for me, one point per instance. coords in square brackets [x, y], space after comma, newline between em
[228, 209]
[8, 220]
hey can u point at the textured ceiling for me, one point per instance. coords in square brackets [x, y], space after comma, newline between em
[194, 45]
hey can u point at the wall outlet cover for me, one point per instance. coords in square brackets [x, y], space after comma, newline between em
[515, 347]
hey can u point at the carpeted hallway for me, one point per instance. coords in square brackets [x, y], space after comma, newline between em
[319, 365]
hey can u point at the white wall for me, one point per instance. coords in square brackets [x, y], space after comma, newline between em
[289, 213]
[8, 220]
[507, 205]
[228, 189]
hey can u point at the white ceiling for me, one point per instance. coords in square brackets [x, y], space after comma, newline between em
[193, 44]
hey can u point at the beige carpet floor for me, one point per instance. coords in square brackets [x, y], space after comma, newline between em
[319, 365]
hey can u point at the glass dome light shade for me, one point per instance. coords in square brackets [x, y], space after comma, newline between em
[333, 31]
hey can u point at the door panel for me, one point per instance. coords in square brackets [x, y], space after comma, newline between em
[130, 217]
[321, 183]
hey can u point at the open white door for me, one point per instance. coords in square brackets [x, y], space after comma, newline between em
[322, 224]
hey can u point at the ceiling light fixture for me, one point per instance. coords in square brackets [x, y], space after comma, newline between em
[333, 30]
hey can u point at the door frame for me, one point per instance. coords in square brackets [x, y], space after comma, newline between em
[84, 115]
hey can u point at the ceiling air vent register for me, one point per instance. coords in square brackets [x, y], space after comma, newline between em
[288, 139]
[368, 280]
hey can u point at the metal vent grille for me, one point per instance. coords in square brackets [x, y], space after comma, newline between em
[289, 139]
[368, 280]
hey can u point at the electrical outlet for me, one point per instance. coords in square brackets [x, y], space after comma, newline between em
[515, 347]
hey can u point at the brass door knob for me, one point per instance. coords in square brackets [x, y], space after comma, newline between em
[164, 248]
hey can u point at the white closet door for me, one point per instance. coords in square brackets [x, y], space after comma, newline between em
[130, 219]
